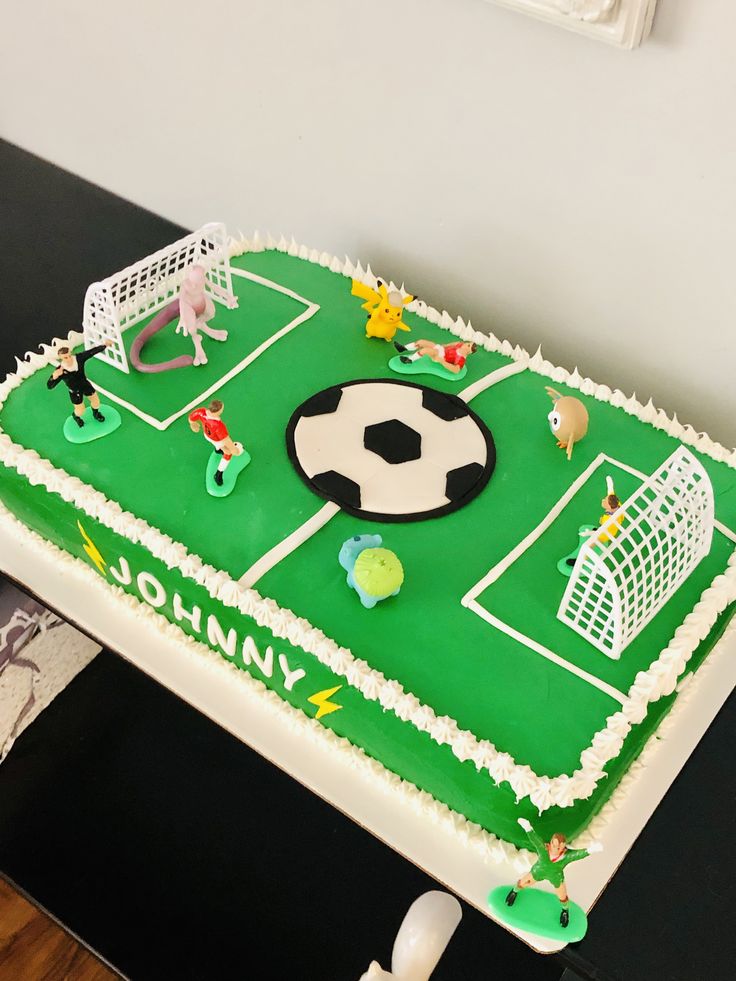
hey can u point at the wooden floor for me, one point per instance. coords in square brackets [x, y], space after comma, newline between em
[34, 948]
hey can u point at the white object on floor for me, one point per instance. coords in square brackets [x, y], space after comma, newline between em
[423, 936]
[44, 667]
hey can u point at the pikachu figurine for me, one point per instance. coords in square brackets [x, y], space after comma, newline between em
[384, 309]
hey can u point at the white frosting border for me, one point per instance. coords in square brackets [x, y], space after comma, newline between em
[486, 845]
[658, 680]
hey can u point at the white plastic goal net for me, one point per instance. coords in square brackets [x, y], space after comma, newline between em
[621, 581]
[135, 293]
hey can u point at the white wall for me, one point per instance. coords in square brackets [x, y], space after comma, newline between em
[542, 184]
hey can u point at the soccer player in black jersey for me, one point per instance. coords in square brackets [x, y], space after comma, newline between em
[71, 372]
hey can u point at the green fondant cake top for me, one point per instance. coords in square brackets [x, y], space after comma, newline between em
[444, 654]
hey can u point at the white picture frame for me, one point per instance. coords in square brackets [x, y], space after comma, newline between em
[623, 23]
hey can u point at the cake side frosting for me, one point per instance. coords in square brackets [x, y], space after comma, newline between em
[486, 845]
[544, 792]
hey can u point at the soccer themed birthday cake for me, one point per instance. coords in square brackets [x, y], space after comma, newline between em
[489, 578]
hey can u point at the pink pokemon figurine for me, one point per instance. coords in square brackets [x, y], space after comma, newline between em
[195, 309]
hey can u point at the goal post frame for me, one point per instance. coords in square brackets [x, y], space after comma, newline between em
[622, 579]
[141, 289]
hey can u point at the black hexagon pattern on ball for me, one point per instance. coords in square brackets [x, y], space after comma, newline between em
[443, 405]
[323, 402]
[337, 487]
[462, 481]
[393, 441]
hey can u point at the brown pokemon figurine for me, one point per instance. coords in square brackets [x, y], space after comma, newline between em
[568, 420]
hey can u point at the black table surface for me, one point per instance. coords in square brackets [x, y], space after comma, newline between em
[176, 852]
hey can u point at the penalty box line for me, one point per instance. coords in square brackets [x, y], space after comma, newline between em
[470, 600]
[310, 310]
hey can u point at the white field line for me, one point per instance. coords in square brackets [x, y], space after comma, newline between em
[311, 309]
[498, 570]
[492, 378]
[289, 544]
[156, 423]
[614, 693]
[470, 599]
[318, 520]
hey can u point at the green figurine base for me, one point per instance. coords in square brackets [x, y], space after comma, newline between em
[567, 564]
[425, 366]
[92, 429]
[538, 911]
[229, 477]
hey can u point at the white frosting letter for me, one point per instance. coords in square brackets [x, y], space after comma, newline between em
[290, 677]
[124, 577]
[195, 617]
[216, 635]
[251, 655]
[150, 589]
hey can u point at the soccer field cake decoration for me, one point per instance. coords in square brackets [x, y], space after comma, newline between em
[228, 459]
[162, 319]
[449, 693]
[374, 572]
[385, 307]
[428, 357]
[391, 450]
[623, 576]
[611, 521]
[87, 421]
[538, 912]
[568, 420]
[193, 308]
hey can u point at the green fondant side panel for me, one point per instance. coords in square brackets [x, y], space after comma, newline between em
[397, 745]
[446, 655]
[451, 659]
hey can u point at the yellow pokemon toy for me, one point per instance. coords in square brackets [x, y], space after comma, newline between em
[384, 309]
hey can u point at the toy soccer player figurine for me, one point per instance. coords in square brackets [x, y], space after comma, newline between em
[550, 866]
[610, 504]
[216, 432]
[535, 910]
[610, 521]
[72, 372]
[450, 356]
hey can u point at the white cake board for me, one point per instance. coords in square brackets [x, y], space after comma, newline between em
[240, 711]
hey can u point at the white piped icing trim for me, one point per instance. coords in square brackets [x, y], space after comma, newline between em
[537, 363]
[544, 792]
[486, 845]
[637, 770]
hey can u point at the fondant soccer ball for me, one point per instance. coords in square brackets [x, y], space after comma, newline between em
[391, 450]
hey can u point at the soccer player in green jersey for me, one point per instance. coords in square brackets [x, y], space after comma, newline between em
[553, 858]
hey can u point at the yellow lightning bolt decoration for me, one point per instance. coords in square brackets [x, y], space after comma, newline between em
[93, 552]
[321, 700]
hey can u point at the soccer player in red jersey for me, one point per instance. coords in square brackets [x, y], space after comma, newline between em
[215, 432]
[450, 356]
